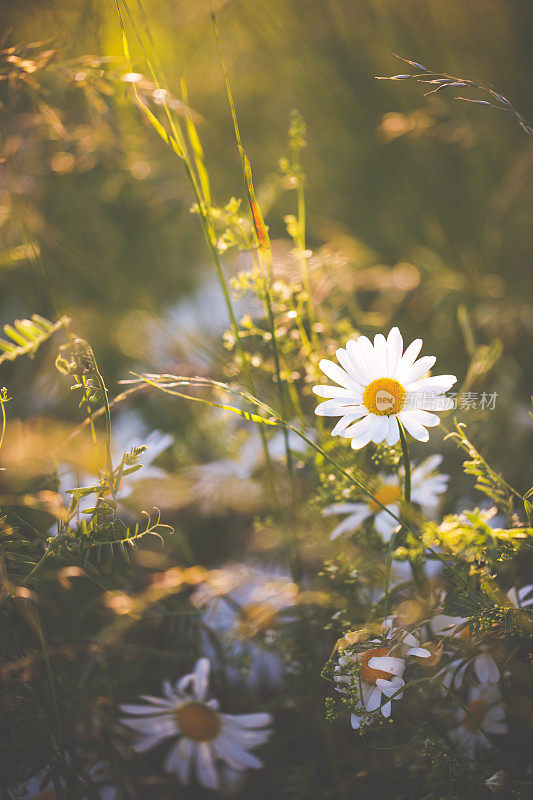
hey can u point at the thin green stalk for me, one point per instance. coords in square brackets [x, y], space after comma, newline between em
[301, 245]
[263, 245]
[200, 187]
[406, 464]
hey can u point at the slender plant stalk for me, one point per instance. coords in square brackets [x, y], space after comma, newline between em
[200, 185]
[264, 251]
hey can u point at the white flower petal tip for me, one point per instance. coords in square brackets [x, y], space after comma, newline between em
[207, 741]
[379, 384]
[420, 652]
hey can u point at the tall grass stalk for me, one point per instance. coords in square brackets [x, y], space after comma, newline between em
[199, 179]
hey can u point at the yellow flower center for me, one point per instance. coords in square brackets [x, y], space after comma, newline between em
[368, 674]
[386, 496]
[384, 397]
[198, 722]
[476, 713]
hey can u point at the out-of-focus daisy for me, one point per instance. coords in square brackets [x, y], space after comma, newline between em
[521, 598]
[128, 431]
[425, 491]
[243, 611]
[476, 656]
[207, 738]
[484, 710]
[378, 386]
[41, 786]
[231, 484]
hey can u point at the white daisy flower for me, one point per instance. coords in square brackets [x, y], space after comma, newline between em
[484, 709]
[207, 738]
[380, 675]
[379, 679]
[378, 386]
[425, 491]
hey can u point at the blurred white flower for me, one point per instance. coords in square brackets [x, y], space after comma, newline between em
[481, 662]
[207, 738]
[191, 329]
[425, 491]
[521, 598]
[483, 710]
[128, 431]
[243, 610]
[40, 787]
[379, 386]
[229, 484]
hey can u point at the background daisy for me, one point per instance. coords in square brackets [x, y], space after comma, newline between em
[426, 489]
[206, 737]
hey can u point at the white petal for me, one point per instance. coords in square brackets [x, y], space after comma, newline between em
[332, 408]
[247, 737]
[351, 523]
[179, 760]
[359, 368]
[237, 757]
[425, 417]
[391, 688]
[411, 424]
[346, 362]
[386, 709]
[407, 360]
[349, 419]
[419, 368]
[355, 722]
[486, 669]
[362, 431]
[145, 711]
[201, 677]
[365, 350]
[395, 666]
[394, 347]
[324, 390]
[205, 767]
[374, 699]
[259, 720]
[381, 429]
[381, 353]
[385, 524]
[337, 374]
[421, 652]
[154, 726]
[436, 384]
[393, 434]
[426, 467]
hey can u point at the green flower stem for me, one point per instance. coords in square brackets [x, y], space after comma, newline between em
[406, 464]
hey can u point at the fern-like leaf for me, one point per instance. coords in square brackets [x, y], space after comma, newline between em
[25, 336]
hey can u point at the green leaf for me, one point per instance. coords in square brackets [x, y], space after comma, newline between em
[28, 335]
